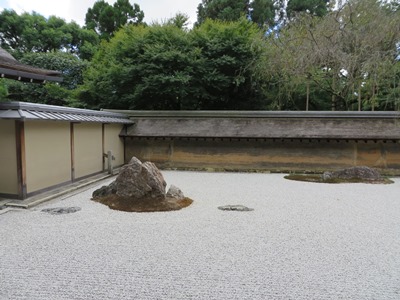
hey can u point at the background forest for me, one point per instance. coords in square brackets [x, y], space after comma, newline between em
[240, 55]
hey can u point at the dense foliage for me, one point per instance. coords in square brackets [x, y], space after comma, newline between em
[346, 60]
[28, 33]
[261, 12]
[165, 67]
[241, 55]
[106, 19]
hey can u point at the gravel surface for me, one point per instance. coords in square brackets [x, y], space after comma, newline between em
[302, 241]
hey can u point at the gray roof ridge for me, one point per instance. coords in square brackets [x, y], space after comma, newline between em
[35, 111]
[17, 105]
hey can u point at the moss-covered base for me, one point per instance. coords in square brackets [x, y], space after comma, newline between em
[142, 205]
[319, 179]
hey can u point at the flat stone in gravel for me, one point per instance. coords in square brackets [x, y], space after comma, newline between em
[61, 210]
[235, 208]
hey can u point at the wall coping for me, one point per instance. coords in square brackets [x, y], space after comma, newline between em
[258, 114]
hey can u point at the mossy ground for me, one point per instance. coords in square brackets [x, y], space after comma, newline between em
[142, 205]
[318, 179]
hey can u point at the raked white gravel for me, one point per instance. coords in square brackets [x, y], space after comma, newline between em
[302, 241]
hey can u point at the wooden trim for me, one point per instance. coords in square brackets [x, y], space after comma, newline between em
[103, 146]
[124, 129]
[135, 115]
[9, 196]
[21, 158]
[72, 144]
[65, 184]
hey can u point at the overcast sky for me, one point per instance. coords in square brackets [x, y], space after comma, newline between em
[154, 10]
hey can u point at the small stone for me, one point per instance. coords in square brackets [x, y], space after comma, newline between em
[326, 175]
[105, 190]
[235, 208]
[61, 210]
[175, 193]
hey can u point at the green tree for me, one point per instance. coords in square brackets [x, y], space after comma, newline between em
[165, 67]
[11, 29]
[225, 10]
[231, 53]
[262, 12]
[106, 19]
[349, 54]
[84, 42]
[3, 91]
[34, 33]
[314, 7]
[141, 68]
[180, 20]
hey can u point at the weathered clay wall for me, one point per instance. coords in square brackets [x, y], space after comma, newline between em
[265, 155]
[266, 141]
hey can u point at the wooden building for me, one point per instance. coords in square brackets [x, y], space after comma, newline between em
[12, 69]
[44, 146]
[265, 141]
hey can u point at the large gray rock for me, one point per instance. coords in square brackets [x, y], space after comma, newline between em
[140, 187]
[140, 180]
[361, 172]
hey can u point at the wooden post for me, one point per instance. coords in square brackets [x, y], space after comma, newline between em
[308, 95]
[21, 158]
[109, 162]
[333, 94]
[103, 144]
[72, 145]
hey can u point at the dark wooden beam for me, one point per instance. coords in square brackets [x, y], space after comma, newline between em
[21, 158]
[103, 129]
[27, 76]
[72, 145]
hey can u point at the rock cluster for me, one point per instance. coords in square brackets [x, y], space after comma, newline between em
[140, 187]
[360, 173]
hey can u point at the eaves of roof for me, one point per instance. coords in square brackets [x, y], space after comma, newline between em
[27, 76]
[13, 69]
[32, 111]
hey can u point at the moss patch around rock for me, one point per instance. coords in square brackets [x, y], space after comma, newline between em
[142, 205]
[319, 179]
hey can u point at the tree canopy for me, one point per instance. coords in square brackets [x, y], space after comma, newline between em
[34, 33]
[317, 8]
[106, 19]
[261, 12]
[347, 56]
[165, 67]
